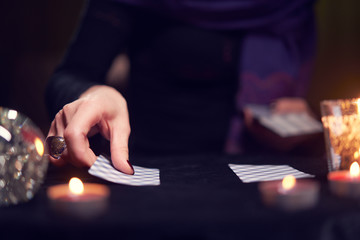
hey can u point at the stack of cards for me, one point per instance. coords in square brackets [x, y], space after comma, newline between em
[285, 125]
[259, 173]
[103, 168]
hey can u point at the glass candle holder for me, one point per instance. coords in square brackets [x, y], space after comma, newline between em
[341, 121]
[22, 163]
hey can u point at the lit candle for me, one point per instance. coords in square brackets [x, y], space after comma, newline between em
[346, 183]
[341, 121]
[83, 200]
[290, 194]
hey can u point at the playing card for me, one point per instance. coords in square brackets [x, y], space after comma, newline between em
[285, 125]
[258, 173]
[103, 168]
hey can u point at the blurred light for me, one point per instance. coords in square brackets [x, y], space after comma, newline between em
[288, 182]
[12, 114]
[354, 169]
[76, 186]
[39, 146]
[5, 133]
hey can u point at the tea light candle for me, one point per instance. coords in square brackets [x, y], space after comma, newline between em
[78, 199]
[290, 194]
[346, 183]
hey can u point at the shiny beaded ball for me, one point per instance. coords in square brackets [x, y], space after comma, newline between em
[22, 163]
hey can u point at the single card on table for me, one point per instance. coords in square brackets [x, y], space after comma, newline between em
[103, 168]
[285, 125]
[258, 173]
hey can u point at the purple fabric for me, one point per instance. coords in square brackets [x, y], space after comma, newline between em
[233, 15]
[277, 50]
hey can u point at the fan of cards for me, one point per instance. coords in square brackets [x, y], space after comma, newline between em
[104, 169]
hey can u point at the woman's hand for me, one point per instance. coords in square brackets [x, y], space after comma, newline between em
[100, 109]
[291, 105]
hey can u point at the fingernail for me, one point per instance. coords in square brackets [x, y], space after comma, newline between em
[131, 167]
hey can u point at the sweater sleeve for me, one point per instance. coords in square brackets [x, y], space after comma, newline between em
[102, 34]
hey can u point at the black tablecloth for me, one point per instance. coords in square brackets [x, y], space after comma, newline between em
[199, 198]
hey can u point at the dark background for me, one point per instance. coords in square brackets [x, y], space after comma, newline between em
[34, 35]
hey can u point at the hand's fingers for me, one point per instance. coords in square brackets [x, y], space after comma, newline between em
[285, 105]
[87, 116]
[58, 162]
[60, 123]
[55, 130]
[52, 130]
[69, 111]
[57, 127]
[97, 109]
[120, 132]
[62, 119]
[114, 125]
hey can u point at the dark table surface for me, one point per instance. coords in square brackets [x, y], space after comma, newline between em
[199, 198]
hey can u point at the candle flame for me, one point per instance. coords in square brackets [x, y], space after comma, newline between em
[288, 182]
[39, 146]
[76, 186]
[358, 105]
[354, 169]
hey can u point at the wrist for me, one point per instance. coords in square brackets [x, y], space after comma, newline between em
[95, 89]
